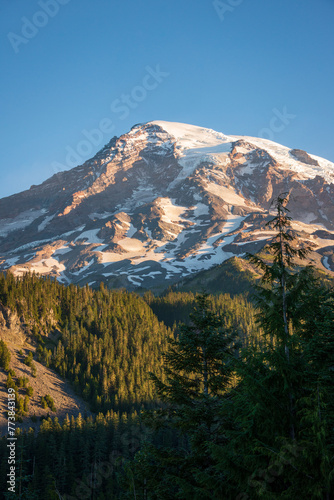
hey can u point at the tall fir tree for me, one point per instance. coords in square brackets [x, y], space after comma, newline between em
[280, 444]
[199, 368]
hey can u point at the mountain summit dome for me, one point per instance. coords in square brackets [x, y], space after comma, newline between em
[162, 202]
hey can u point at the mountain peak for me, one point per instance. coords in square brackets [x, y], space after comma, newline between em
[162, 202]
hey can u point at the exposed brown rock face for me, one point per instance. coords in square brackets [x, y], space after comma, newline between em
[301, 155]
[162, 202]
[10, 325]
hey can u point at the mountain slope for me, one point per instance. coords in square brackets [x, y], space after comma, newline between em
[46, 381]
[163, 202]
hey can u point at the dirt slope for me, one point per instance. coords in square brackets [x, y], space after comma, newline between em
[47, 381]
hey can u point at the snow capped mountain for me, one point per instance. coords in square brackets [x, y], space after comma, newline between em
[162, 202]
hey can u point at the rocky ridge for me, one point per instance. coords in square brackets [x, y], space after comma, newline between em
[162, 202]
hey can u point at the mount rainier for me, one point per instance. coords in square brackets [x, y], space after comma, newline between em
[162, 202]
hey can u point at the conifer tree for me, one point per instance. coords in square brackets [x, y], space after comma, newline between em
[4, 356]
[274, 301]
[200, 361]
[199, 368]
[280, 427]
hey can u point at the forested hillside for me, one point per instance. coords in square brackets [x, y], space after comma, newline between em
[105, 343]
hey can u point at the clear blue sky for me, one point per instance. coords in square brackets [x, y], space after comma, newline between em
[233, 67]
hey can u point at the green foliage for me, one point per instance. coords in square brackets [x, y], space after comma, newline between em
[108, 341]
[284, 398]
[29, 362]
[4, 356]
[22, 381]
[29, 391]
[76, 458]
[200, 366]
[48, 402]
[10, 382]
[21, 405]
[200, 360]
[237, 313]
[26, 404]
[29, 359]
